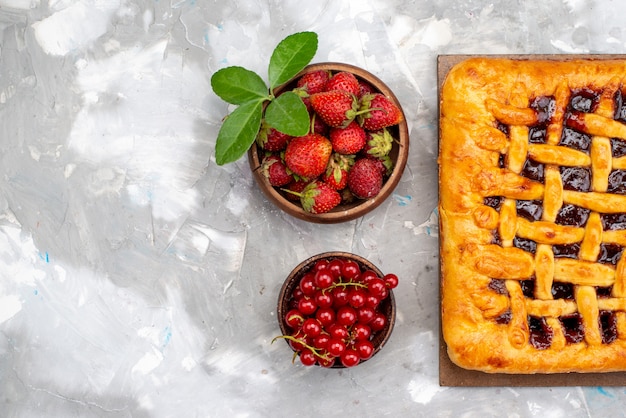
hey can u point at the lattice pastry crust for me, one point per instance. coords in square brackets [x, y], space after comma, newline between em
[533, 215]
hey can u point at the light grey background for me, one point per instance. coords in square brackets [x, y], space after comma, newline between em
[140, 279]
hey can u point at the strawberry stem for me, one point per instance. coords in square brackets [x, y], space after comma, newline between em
[291, 192]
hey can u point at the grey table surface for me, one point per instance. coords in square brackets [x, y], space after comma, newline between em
[139, 278]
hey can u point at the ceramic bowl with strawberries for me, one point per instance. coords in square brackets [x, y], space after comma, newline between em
[353, 156]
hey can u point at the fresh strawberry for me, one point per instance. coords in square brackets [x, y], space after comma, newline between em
[336, 174]
[365, 178]
[378, 112]
[318, 125]
[307, 156]
[310, 83]
[347, 196]
[386, 164]
[337, 108]
[294, 189]
[270, 139]
[348, 140]
[275, 170]
[345, 81]
[378, 144]
[314, 82]
[365, 88]
[319, 197]
[336, 178]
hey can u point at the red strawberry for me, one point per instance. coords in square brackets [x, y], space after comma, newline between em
[336, 175]
[275, 170]
[336, 178]
[270, 139]
[314, 82]
[345, 81]
[294, 189]
[337, 108]
[307, 156]
[365, 88]
[378, 112]
[319, 126]
[385, 164]
[309, 83]
[347, 196]
[348, 140]
[319, 197]
[365, 178]
[378, 144]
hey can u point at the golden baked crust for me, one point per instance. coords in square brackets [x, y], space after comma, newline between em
[532, 207]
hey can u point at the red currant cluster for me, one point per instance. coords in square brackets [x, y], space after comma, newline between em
[335, 312]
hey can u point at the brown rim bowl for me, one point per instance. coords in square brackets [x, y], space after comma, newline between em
[345, 211]
[387, 306]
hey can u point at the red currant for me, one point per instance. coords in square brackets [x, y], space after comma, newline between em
[323, 299]
[340, 297]
[365, 349]
[298, 339]
[372, 301]
[320, 265]
[335, 347]
[365, 314]
[307, 357]
[307, 306]
[297, 294]
[321, 341]
[338, 332]
[378, 288]
[323, 279]
[361, 332]
[335, 267]
[307, 284]
[326, 316]
[327, 360]
[349, 358]
[294, 318]
[356, 297]
[379, 322]
[391, 280]
[368, 275]
[350, 270]
[312, 327]
[346, 316]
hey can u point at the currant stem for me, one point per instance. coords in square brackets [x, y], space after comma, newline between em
[344, 285]
[314, 350]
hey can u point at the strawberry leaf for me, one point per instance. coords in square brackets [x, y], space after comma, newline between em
[238, 132]
[236, 85]
[290, 56]
[287, 114]
[239, 86]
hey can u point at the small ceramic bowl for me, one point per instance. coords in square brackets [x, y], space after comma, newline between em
[357, 208]
[387, 306]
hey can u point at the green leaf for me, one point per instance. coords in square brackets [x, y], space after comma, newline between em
[238, 132]
[236, 85]
[291, 55]
[287, 114]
